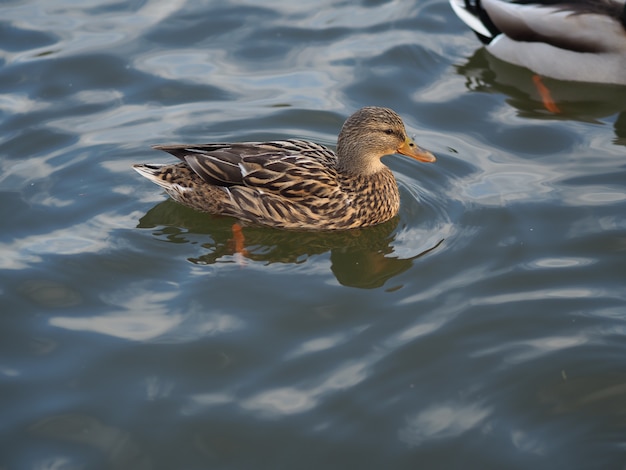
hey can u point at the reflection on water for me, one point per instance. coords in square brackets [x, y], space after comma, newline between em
[597, 394]
[50, 293]
[361, 258]
[147, 311]
[116, 445]
[166, 344]
[442, 421]
[575, 100]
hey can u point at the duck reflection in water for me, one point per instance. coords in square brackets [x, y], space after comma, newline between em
[360, 258]
[578, 101]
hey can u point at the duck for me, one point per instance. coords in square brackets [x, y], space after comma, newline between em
[571, 40]
[295, 184]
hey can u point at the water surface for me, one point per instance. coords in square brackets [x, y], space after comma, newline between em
[483, 327]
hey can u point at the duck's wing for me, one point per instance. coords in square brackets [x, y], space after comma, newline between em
[576, 25]
[289, 168]
[220, 163]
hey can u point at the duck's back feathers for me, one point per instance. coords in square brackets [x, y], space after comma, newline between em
[580, 27]
[258, 182]
[269, 166]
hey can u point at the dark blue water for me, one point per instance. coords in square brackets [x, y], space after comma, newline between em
[484, 327]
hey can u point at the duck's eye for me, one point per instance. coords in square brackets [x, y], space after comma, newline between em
[388, 131]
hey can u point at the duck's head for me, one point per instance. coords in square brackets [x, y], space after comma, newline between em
[372, 133]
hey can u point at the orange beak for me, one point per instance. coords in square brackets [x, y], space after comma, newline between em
[409, 149]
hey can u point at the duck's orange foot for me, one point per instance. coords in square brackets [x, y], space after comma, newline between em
[239, 240]
[546, 98]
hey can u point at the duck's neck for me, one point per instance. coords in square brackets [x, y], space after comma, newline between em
[355, 160]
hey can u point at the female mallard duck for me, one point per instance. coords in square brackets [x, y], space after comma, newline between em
[295, 184]
[578, 40]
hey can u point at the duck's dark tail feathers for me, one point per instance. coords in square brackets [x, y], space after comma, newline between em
[474, 15]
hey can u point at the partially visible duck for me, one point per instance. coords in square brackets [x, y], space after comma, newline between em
[295, 184]
[577, 40]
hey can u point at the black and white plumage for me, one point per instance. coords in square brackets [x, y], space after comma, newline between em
[576, 40]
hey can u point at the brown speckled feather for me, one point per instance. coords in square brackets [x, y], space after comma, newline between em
[291, 184]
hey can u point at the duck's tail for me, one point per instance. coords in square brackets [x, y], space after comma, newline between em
[155, 173]
[475, 16]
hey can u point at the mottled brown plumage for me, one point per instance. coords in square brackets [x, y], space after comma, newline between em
[295, 184]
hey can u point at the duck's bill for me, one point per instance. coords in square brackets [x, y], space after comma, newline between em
[409, 149]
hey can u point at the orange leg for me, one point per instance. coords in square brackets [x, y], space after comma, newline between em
[548, 102]
[239, 239]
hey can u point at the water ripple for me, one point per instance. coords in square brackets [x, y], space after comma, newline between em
[442, 422]
[486, 321]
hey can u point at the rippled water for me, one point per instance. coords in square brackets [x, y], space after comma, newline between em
[482, 328]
